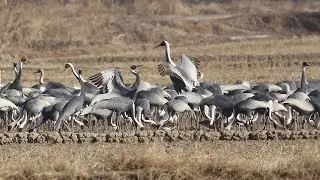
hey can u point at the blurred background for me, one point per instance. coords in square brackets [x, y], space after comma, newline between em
[96, 34]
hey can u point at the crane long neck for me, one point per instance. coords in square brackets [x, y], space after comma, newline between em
[168, 56]
[41, 77]
[138, 80]
[303, 80]
[16, 72]
[74, 72]
[83, 90]
[19, 70]
[20, 67]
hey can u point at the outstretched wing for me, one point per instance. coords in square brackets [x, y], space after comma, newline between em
[195, 61]
[166, 68]
[188, 69]
[117, 85]
[102, 78]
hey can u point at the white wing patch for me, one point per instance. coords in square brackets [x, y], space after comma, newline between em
[102, 78]
[188, 69]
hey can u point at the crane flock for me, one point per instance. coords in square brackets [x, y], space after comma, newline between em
[188, 103]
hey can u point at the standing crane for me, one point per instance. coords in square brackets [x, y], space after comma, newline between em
[184, 76]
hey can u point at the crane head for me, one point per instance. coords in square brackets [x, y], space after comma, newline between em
[305, 64]
[38, 71]
[163, 43]
[67, 66]
[23, 59]
[80, 76]
[134, 67]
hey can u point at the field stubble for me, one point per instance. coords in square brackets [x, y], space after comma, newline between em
[222, 160]
[228, 37]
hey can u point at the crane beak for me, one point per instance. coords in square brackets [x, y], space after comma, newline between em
[140, 65]
[157, 46]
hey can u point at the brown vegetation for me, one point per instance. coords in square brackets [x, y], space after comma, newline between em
[215, 160]
[98, 34]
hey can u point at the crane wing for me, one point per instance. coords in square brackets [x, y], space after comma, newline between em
[166, 68]
[188, 69]
[117, 85]
[195, 61]
[102, 78]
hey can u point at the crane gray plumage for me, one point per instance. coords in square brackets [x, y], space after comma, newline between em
[303, 87]
[112, 79]
[221, 102]
[127, 91]
[172, 92]
[143, 111]
[17, 83]
[31, 108]
[119, 105]
[6, 105]
[284, 93]
[72, 106]
[7, 86]
[175, 107]
[194, 99]
[299, 95]
[49, 85]
[247, 107]
[156, 96]
[49, 113]
[89, 88]
[240, 85]
[213, 88]
[105, 96]
[65, 93]
[303, 107]
[267, 87]
[184, 75]
[17, 100]
[242, 96]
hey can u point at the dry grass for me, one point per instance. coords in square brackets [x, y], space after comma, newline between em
[98, 34]
[281, 62]
[217, 160]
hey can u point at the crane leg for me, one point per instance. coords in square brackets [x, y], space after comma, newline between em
[112, 119]
[213, 115]
[78, 122]
[42, 121]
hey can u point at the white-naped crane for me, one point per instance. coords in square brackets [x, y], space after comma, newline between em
[44, 86]
[17, 82]
[73, 106]
[185, 75]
